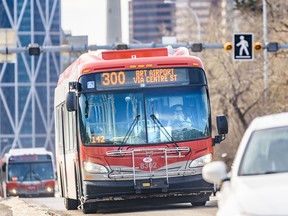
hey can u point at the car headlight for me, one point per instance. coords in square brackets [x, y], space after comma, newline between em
[94, 168]
[201, 161]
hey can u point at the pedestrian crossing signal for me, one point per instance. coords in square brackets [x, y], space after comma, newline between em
[243, 47]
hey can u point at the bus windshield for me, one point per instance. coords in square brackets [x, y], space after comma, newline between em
[144, 116]
[29, 171]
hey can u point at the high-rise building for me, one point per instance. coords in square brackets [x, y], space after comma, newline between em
[114, 30]
[188, 20]
[27, 85]
[192, 17]
[151, 20]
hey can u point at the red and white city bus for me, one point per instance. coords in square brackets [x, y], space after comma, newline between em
[28, 172]
[118, 133]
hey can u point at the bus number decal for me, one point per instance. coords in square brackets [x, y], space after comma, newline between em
[98, 139]
[152, 165]
[113, 78]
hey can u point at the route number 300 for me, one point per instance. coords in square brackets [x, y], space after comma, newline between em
[114, 78]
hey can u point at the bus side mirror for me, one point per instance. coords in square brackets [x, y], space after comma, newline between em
[222, 126]
[71, 104]
[3, 167]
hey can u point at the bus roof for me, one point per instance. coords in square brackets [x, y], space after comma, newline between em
[128, 59]
[28, 151]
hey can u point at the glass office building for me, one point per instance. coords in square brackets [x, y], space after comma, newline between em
[27, 85]
[151, 20]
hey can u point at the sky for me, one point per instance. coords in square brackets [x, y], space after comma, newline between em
[88, 17]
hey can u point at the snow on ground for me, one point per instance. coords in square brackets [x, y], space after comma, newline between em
[13, 206]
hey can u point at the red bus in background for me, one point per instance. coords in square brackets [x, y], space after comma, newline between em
[28, 172]
[134, 125]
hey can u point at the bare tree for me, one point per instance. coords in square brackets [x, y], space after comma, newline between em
[237, 87]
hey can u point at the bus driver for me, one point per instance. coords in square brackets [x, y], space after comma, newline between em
[181, 125]
[179, 120]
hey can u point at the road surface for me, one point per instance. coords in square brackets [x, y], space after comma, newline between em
[55, 207]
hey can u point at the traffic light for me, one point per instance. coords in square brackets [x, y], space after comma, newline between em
[228, 46]
[197, 47]
[34, 49]
[121, 46]
[257, 46]
[272, 47]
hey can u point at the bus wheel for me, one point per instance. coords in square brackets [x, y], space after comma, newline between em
[198, 203]
[88, 208]
[70, 204]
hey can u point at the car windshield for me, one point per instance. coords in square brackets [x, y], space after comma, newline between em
[266, 152]
[30, 171]
[144, 116]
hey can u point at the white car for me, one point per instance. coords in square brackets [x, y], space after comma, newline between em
[258, 182]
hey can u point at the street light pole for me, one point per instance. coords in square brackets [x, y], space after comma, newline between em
[196, 19]
[191, 11]
[265, 54]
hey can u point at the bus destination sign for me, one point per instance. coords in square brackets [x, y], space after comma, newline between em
[141, 78]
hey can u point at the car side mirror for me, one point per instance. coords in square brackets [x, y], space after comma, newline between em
[71, 104]
[215, 172]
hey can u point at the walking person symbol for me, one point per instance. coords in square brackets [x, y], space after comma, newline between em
[243, 46]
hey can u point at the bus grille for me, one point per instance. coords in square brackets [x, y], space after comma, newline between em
[140, 176]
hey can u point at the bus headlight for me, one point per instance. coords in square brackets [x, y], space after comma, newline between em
[94, 168]
[49, 189]
[13, 191]
[201, 161]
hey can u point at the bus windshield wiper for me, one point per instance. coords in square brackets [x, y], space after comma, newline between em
[130, 129]
[163, 129]
[35, 176]
[86, 108]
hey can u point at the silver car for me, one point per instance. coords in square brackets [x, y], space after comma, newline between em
[258, 181]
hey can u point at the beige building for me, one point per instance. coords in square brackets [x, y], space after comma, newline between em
[194, 18]
[188, 20]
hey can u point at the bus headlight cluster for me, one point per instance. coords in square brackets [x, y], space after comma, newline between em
[49, 189]
[13, 191]
[94, 168]
[201, 161]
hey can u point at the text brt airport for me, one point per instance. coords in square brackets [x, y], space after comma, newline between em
[134, 125]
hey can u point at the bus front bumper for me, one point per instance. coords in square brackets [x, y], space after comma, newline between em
[184, 189]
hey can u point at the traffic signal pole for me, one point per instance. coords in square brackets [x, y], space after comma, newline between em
[36, 49]
[265, 54]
